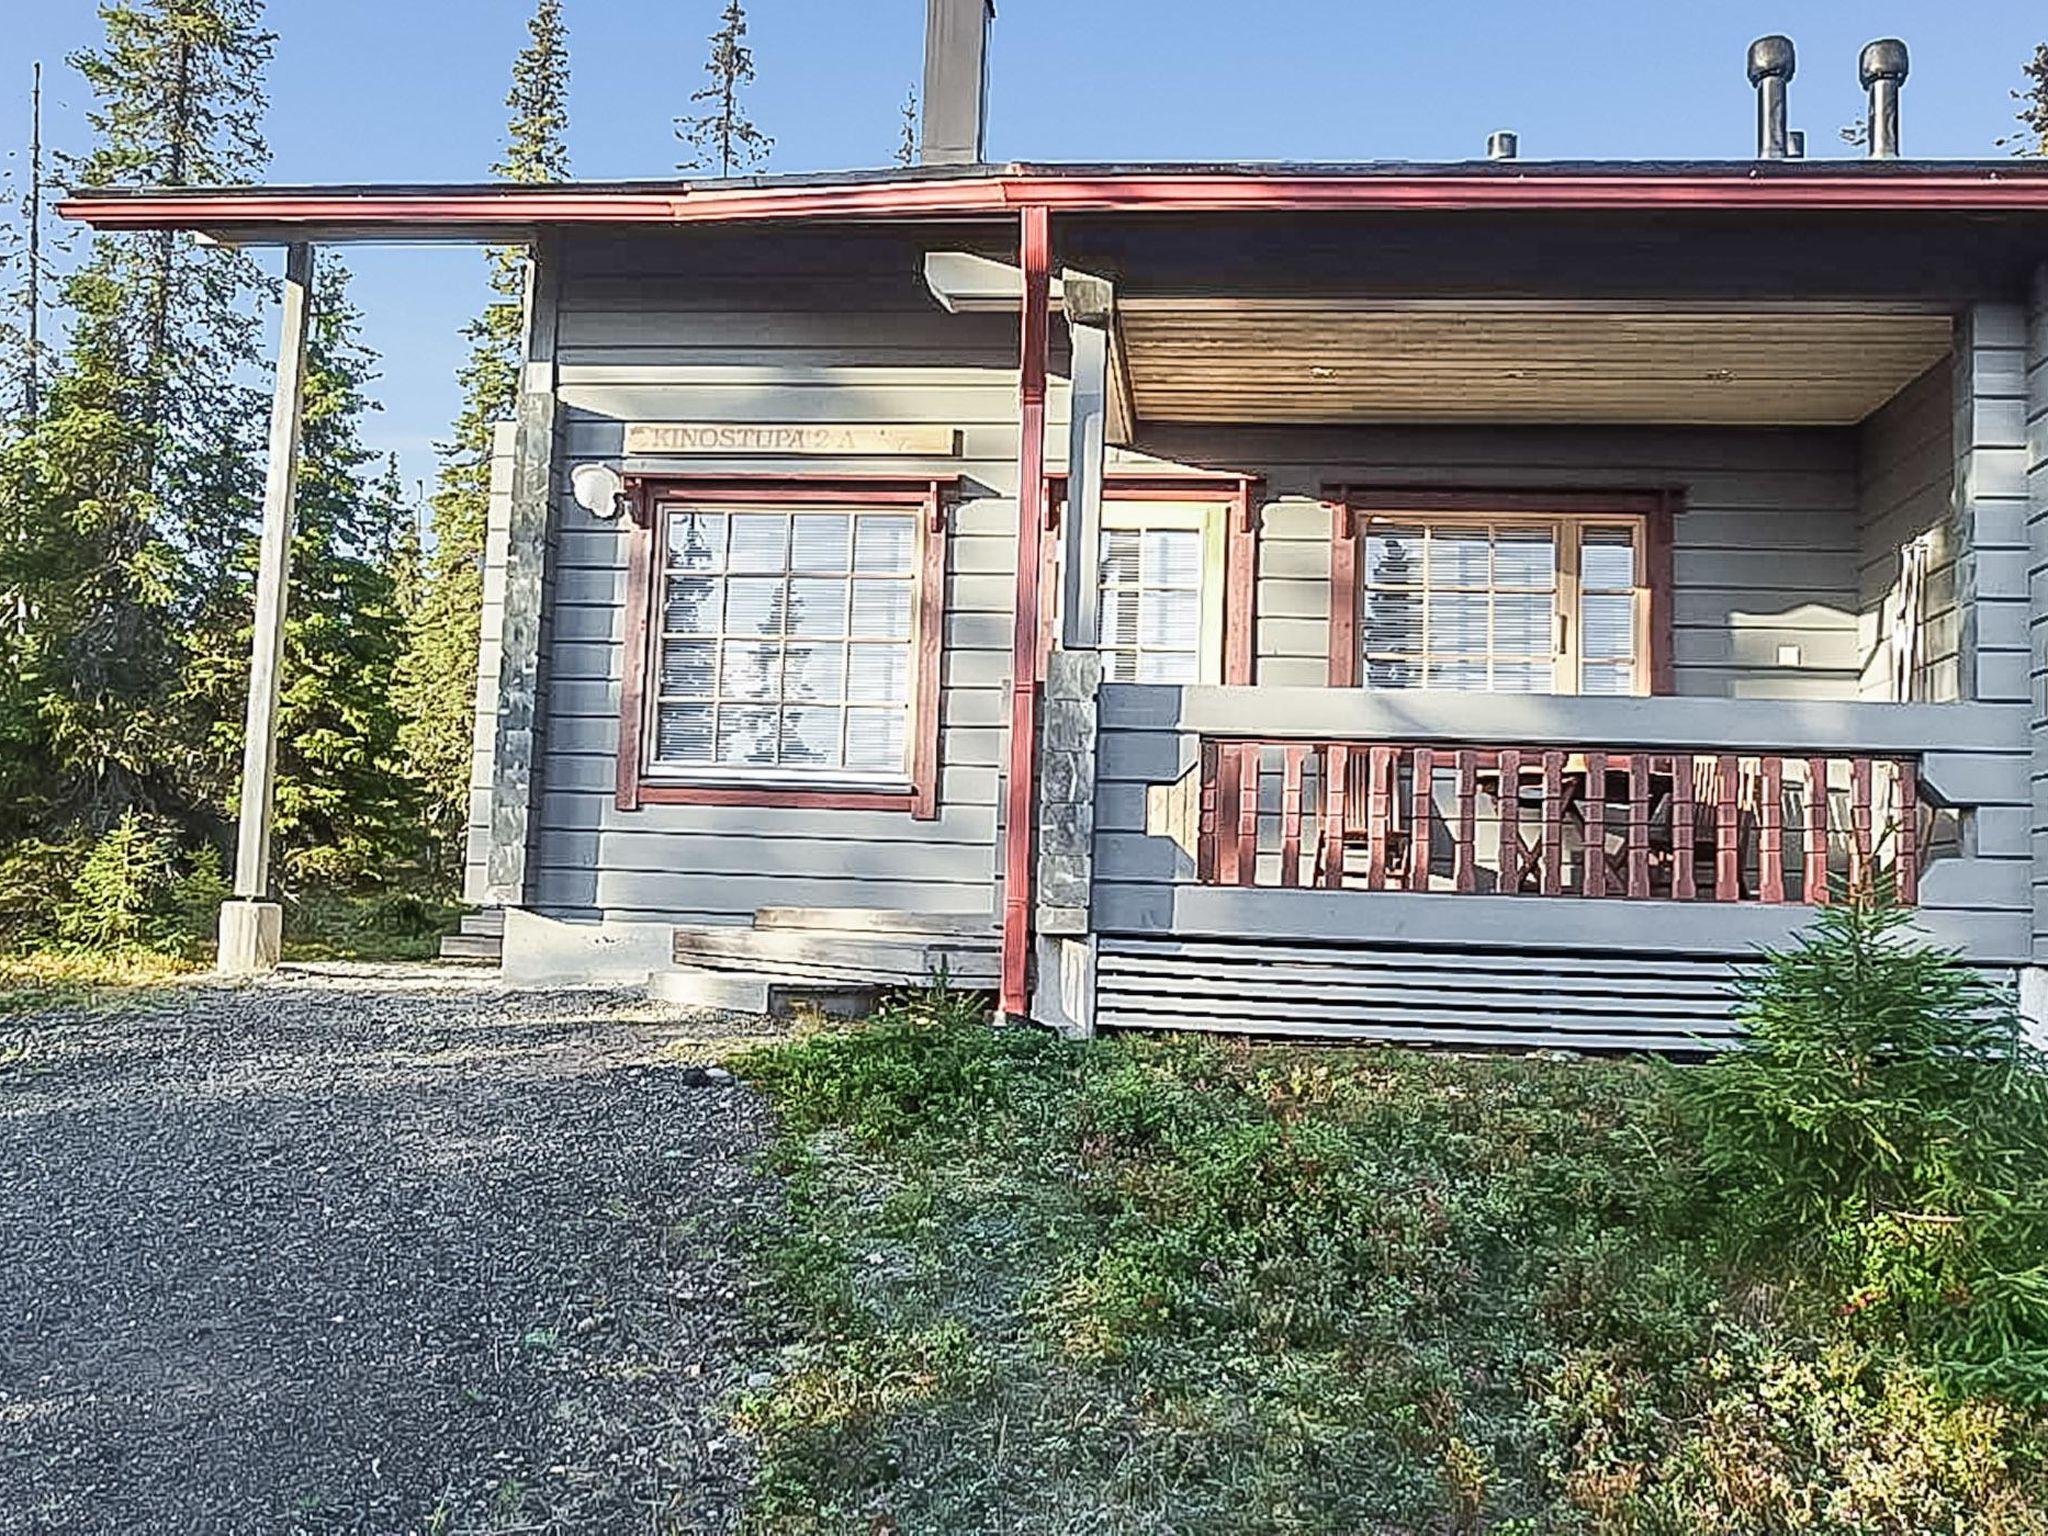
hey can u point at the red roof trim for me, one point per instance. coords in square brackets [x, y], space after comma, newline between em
[1165, 193]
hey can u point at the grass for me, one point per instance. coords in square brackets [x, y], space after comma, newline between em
[71, 979]
[1175, 1285]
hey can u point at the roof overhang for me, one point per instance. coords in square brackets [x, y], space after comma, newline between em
[499, 211]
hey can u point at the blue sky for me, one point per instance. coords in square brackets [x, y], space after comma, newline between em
[411, 90]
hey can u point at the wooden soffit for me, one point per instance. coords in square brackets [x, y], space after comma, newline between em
[1336, 360]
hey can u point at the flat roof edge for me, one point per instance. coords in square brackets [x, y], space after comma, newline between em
[393, 211]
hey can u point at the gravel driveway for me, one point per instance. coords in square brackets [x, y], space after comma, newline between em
[387, 1253]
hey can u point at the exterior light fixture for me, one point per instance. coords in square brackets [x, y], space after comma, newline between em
[599, 490]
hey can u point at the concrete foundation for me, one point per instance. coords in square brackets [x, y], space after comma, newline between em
[251, 938]
[547, 952]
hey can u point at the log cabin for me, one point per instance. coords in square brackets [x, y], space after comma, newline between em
[1476, 603]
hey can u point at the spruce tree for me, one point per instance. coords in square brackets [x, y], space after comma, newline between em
[346, 812]
[907, 142]
[437, 681]
[722, 135]
[2033, 112]
[130, 494]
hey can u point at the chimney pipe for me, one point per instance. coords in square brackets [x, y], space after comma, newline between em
[1771, 62]
[1883, 70]
[955, 80]
[1503, 145]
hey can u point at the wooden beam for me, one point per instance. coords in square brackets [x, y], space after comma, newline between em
[1090, 313]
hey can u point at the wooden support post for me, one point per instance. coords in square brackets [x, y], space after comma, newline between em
[1814, 887]
[1507, 876]
[1021, 790]
[1090, 310]
[1770, 836]
[250, 924]
[1593, 878]
[1422, 784]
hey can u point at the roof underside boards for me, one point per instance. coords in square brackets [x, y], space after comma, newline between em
[1330, 361]
[502, 211]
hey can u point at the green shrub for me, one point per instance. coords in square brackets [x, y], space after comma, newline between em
[35, 878]
[1885, 1126]
[130, 890]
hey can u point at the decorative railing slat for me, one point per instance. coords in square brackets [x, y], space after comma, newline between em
[1602, 823]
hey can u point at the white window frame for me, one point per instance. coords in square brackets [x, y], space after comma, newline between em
[1136, 514]
[657, 771]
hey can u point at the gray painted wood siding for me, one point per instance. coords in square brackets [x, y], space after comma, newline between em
[797, 330]
[1905, 490]
[1764, 557]
[1991, 500]
[2036, 359]
[1973, 755]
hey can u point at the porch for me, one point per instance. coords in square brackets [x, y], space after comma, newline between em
[1353, 864]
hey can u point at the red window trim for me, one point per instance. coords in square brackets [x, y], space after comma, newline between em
[645, 494]
[1240, 553]
[1656, 508]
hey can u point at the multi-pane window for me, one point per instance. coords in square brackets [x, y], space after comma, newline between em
[786, 642]
[1161, 578]
[1518, 605]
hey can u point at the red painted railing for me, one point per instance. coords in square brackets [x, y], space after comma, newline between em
[1550, 821]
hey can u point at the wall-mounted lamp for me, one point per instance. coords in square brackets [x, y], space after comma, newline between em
[599, 491]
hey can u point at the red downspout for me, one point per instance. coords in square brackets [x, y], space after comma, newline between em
[1021, 806]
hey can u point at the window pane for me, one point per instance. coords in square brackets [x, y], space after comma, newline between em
[1120, 619]
[1120, 666]
[755, 605]
[1388, 672]
[879, 674]
[760, 541]
[1524, 677]
[693, 605]
[1457, 621]
[1170, 620]
[1462, 675]
[682, 733]
[881, 609]
[810, 738]
[1525, 557]
[885, 545]
[1168, 667]
[1171, 557]
[1607, 558]
[1121, 556]
[818, 607]
[875, 739]
[1459, 557]
[696, 540]
[1607, 626]
[688, 667]
[819, 542]
[1607, 677]
[1523, 623]
[1393, 556]
[814, 672]
[752, 670]
[746, 735]
[1393, 621]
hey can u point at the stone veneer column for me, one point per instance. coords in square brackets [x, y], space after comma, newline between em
[1064, 994]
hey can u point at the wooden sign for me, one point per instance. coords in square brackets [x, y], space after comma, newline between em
[647, 439]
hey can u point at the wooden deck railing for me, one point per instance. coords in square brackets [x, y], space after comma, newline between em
[1549, 821]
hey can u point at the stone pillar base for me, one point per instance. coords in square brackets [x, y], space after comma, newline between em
[251, 937]
[2034, 1003]
[1064, 997]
